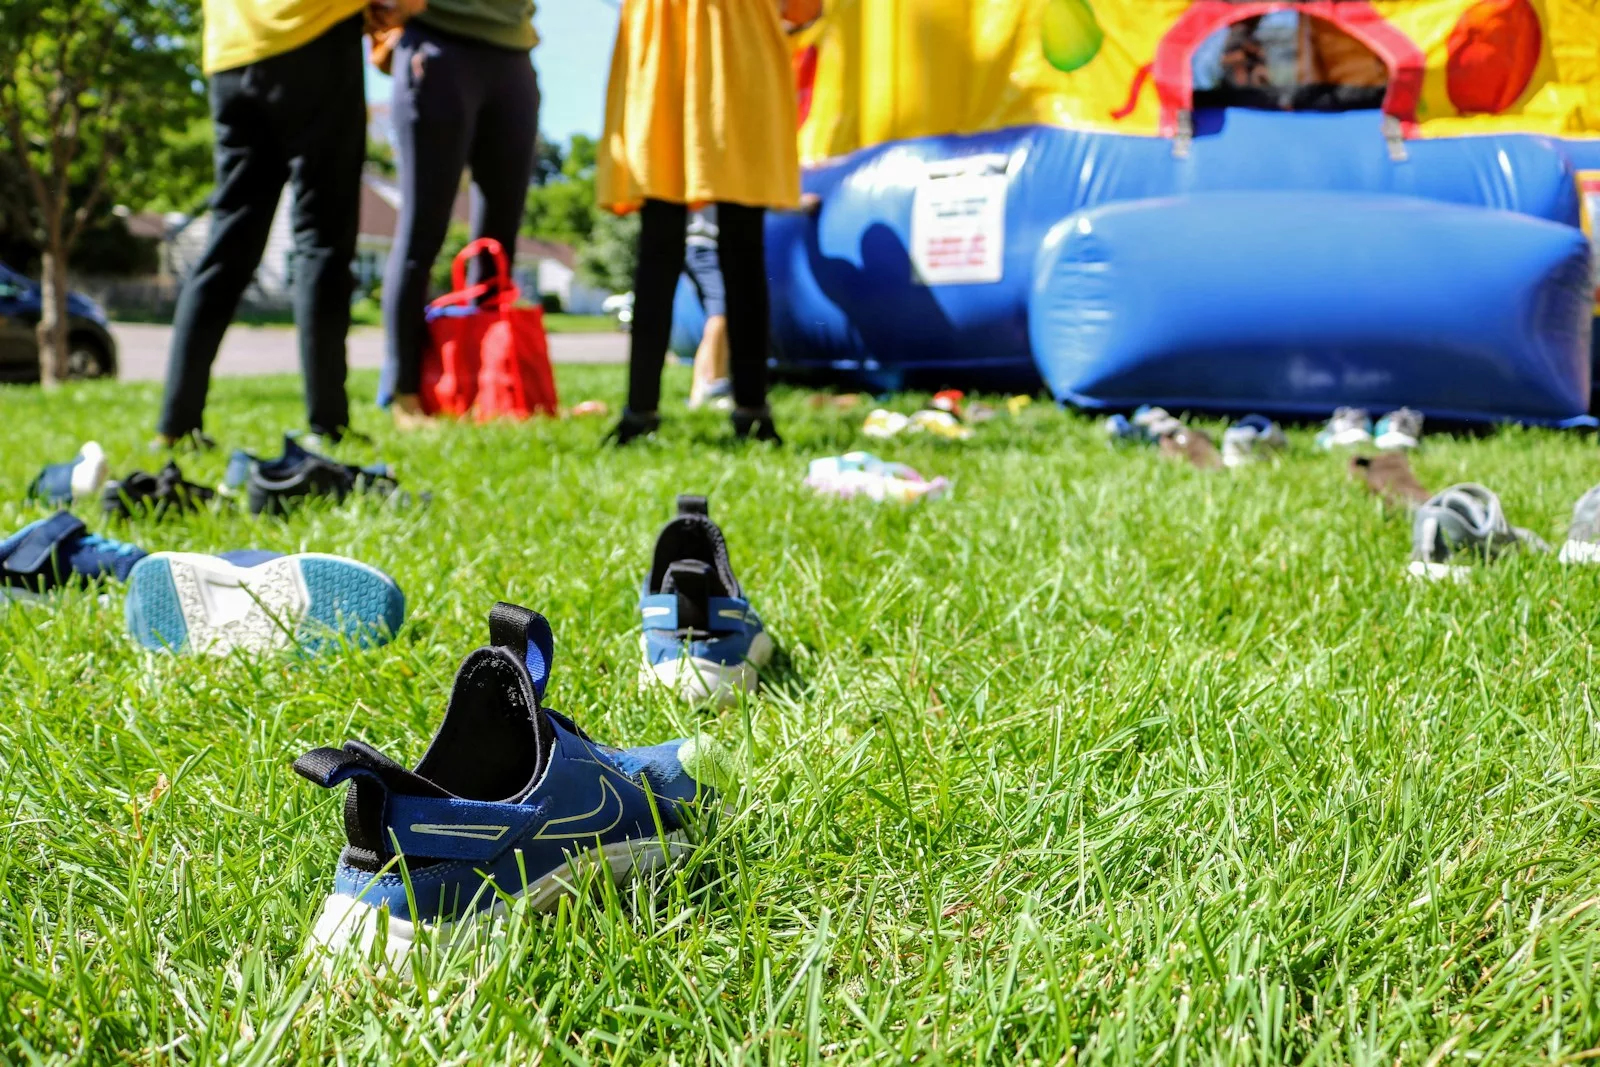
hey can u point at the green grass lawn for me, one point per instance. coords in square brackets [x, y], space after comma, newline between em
[1100, 759]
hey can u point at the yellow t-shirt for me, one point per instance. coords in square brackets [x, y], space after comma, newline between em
[238, 32]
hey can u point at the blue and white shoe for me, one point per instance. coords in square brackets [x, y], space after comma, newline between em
[80, 478]
[255, 600]
[1400, 429]
[60, 551]
[1251, 438]
[701, 637]
[512, 800]
[1347, 428]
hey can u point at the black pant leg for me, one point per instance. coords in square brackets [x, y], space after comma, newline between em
[741, 245]
[434, 111]
[501, 157]
[661, 247]
[329, 144]
[251, 171]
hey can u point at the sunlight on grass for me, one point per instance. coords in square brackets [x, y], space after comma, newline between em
[1099, 759]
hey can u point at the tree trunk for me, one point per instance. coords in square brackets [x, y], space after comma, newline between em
[53, 314]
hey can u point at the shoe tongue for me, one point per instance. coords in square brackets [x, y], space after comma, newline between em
[691, 580]
[495, 739]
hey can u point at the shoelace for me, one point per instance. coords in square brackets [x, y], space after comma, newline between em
[106, 544]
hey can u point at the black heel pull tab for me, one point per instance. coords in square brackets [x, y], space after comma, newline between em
[690, 579]
[689, 504]
[526, 634]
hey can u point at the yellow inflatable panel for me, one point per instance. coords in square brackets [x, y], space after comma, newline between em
[880, 70]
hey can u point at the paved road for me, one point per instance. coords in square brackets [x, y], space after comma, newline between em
[251, 350]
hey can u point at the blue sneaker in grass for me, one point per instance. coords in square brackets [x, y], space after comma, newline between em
[256, 600]
[701, 638]
[80, 478]
[60, 551]
[512, 800]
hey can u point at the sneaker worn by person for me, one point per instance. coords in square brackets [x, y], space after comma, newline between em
[1250, 439]
[511, 800]
[80, 478]
[154, 494]
[59, 551]
[1401, 428]
[1389, 476]
[274, 486]
[193, 441]
[755, 425]
[701, 638]
[1583, 536]
[716, 393]
[632, 426]
[257, 600]
[1463, 519]
[1347, 427]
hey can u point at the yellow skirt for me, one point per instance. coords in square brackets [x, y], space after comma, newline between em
[700, 108]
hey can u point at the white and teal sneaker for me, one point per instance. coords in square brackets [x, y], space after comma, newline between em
[257, 601]
[1347, 428]
[1400, 429]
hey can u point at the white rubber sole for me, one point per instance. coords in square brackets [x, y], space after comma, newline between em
[346, 922]
[703, 681]
[1580, 552]
[188, 601]
[1346, 439]
[1438, 572]
[1394, 442]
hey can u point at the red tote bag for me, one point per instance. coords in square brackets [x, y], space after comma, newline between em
[486, 353]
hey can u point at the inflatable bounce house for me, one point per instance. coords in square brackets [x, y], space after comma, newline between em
[1205, 204]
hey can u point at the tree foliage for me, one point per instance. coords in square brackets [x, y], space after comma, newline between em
[99, 101]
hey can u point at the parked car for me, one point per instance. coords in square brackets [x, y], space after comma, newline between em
[92, 351]
[620, 307]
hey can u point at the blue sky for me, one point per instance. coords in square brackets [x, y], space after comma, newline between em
[573, 59]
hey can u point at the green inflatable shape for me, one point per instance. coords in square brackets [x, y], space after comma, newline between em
[1071, 35]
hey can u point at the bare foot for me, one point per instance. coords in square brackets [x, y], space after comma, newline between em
[408, 413]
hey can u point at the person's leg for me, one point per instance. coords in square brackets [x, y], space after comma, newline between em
[742, 248]
[661, 245]
[326, 105]
[250, 171]
[432, 115]
[501, 157]
[705, 271]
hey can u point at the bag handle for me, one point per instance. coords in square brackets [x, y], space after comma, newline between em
[502, 289]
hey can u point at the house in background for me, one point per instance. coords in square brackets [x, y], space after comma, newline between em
[540, 268]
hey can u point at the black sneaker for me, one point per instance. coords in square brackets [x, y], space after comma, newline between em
[154, 494]
[273, 485]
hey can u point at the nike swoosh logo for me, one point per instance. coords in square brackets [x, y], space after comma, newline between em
[608, 798]
[475, 832]
[651, 613]
[731, 613]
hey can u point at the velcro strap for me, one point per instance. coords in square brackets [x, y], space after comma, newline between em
[728, 614]
[454, 829]
[42, 541]
[689, 504]
[527, 634]
[329, 767]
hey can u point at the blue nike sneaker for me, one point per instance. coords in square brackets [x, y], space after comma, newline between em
[701, 638]
[257, 600]
[511, 800]
[60, 551]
